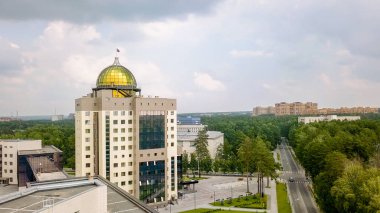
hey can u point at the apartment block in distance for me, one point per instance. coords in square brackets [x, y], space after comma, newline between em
[259, 110]
[126, 138]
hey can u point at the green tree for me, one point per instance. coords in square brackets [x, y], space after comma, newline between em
[246, 157]
[185, 163]
[201, 151]
[193, 162]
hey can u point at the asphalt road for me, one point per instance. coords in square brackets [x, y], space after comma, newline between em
[299, 194]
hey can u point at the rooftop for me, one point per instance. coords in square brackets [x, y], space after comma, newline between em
[45, 150]
[31, 199]
[190, 136]
[16, 140]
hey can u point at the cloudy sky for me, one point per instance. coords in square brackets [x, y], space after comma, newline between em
[210, 55]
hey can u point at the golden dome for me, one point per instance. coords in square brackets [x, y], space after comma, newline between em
[116, 76]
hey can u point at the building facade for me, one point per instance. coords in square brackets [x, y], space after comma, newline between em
[307, 120]
[259, 110]
[8, 157]
[129, 139]
[188, 134]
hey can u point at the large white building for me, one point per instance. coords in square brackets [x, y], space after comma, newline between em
[8, 157]
[129, 139]
[187, 135]
[307, 120]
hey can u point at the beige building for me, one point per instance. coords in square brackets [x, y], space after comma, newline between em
[187, 135]
[307, 120]
[296, 108]
[259, 110]
[129, 139]
[8, 157]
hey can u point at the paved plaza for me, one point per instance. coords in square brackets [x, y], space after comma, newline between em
[223, 187]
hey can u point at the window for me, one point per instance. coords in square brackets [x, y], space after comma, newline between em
[172, 112]
[122, 130]
[122, 121]
[130, 112]
[115, 112]
[172, 144]
[130, 138]
[129, 163]
[122, 138]
[88, 165]
[115, 165]
[87, 156]
[122, 147]
[130, 182]
[5, 171]
[172, 128]
[11, 155]
[87, 113]
[122, 173]
[171, 120]
[115, 156]
[87, 131]
[10, 171]
[11, 179]
[87, 139]
[122, 164]
[155, 154]
[172, 136]
[130, 155]
[5, 155]
[88, 148]
[87, 122]
[114, 121]
[123, 183]
[129, 147]
[116, 174]
[115, 139]
[11, 163]
[115, 148]
[123, 112]
[5, 163]
[115, 130]
[129, 121]
[130, 173]
[88, 174]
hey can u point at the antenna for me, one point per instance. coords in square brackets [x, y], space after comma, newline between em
[117, 52]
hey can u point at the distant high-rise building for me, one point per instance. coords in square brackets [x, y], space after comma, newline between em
[296, 108]
[259, 110]
[129, 139]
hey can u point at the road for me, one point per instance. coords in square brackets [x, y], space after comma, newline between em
[299, 194]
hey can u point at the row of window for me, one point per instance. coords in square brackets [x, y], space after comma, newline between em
[115, 165]
[10, 171]
[155, 154]
[6, 155]
[114, 139]
[122, 174]
[115, 113]
[6, 163]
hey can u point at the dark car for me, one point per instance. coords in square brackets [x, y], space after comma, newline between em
[291, 179]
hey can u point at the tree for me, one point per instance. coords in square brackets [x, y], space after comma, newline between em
[201, 151]
[185, 163]
[193, 162]
[246, 157]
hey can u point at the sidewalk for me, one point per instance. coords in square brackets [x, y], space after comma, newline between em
[223, 187]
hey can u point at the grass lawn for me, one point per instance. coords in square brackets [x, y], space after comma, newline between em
[212, 211]
[283, 204]
[251, 201]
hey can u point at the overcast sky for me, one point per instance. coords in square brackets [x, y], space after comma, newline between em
[209, 55]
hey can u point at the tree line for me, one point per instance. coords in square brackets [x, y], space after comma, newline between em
[343, 160]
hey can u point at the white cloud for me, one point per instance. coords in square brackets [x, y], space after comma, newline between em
[205, 81]
[13, 45]
[250, 53]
